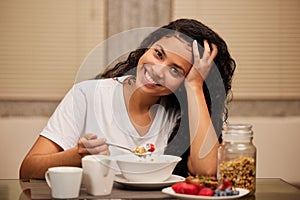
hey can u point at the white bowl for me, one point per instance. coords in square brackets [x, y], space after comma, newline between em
[156, 168]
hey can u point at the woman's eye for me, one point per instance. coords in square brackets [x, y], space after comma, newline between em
[175, 72]
[159, 54]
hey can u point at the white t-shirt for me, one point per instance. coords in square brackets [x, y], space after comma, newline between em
[98, 107]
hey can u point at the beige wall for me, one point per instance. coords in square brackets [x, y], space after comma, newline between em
[17, 136]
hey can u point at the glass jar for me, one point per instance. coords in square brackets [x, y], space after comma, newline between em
[237, 156]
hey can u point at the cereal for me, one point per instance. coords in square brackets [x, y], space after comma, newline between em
[241, 171]
[140, 150]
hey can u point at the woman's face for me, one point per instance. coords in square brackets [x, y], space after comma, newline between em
[164, 66]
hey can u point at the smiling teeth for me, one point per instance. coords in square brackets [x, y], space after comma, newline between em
[148, 77]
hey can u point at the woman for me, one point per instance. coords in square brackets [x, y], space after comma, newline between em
[158, 95]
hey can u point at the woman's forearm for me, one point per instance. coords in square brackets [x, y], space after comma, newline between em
[46, 153]
[204, 142]
[35, 165]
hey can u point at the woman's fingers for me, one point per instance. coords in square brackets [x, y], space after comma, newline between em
[209, 54]
[90, 136]
[103, 150]
[89, 144]
[206, 53]
[213, 53]
[203, 64]
[94, 142]
[196, 53]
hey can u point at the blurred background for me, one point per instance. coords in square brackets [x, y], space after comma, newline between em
[44, 43]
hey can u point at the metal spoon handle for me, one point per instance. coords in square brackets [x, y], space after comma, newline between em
[119, 146]
[142, 155]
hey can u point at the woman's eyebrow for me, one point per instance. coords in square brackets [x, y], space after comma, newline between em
[162, 49]
[180, 68]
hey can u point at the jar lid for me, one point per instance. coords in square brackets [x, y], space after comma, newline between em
[237, 127]
[237, 132]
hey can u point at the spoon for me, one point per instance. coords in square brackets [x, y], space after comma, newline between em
[144, 155]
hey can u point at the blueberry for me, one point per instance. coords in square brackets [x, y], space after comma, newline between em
[222, 193]
[235, 192]
[217, 192]
[228, 191]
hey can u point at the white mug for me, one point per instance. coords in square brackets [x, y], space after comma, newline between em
[98, 174]
[64, 182]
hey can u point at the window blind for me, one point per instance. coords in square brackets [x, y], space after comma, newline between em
[43, 44]
[263, 37]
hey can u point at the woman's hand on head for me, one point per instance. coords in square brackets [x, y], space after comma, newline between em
[90, 144]
[201, 66]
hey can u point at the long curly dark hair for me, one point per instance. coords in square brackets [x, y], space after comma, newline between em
[217, 85]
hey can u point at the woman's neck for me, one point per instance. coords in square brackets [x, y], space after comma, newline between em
[139, 107]
[136, 100]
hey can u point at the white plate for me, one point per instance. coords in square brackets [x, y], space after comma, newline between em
[149, 185]
[171, 192]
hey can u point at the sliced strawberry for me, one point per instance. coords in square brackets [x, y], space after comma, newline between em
[185, 188]
[150, 147]
[190, 189]
[227, 183]
[177, 187]
[199, 186]
[206, 192]
[221, 187]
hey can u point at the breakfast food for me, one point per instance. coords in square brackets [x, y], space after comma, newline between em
[144, 149]
[240, 171]
[205, 186]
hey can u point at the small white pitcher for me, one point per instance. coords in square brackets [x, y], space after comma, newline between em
[98, 174]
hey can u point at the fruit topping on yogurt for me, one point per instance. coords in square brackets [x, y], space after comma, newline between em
[145, 149]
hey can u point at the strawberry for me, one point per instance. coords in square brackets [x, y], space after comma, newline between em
[177, 187]
[227, 183]
[185, 188]
[206, 192]
[150, 147]
[199, 186]
[190, 189]
[221, 187]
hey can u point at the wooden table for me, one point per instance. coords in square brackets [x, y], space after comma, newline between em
[266, 189]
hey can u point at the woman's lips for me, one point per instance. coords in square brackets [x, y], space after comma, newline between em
[149, 80]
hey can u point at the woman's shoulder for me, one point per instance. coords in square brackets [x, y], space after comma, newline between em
[106, 82]
[99, 85]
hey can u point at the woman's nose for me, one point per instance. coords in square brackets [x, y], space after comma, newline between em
[159, 71]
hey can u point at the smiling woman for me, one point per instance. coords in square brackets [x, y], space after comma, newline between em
[166, 64]
[171, 90]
